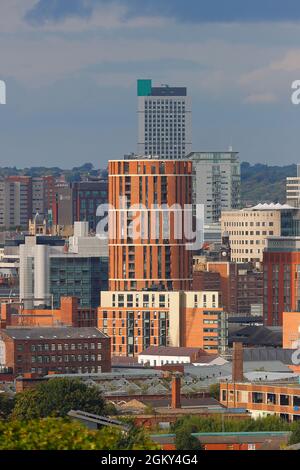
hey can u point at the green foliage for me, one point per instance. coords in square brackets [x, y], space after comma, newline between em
[6, 406]
[185, 441]
[264, 183]
[62, 434]
[295, 437]
[217, 424]
[136, 439]
[214, 391]
[71, 175]
[56, 398]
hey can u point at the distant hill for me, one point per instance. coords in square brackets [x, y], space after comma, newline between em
[259, 183]
[71, 175]
[264, 183]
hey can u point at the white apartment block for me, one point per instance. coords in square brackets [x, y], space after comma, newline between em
[164, 121]
[249, 228]
[216, 182]
[293, 189]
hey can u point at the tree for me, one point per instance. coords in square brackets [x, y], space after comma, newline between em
[63, 434]
[217, 424]
[295, 437]
[56, 398]
[185, 441]
[7, 404]
[136, 439]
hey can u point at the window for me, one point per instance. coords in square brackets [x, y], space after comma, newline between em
[284, 400]
[257, 397]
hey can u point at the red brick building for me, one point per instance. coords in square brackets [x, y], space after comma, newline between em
[262, 399]
[61, 349]
[281, 278]
[239, 284]
[70, 313]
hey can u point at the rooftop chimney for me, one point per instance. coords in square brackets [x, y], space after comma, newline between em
[237, 363]
[176, 385]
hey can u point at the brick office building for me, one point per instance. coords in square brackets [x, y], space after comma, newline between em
[70, 313]
[262, 399]
[240, 285]
[61, 349]
[281, 278]
[78, 202]
[87, 196]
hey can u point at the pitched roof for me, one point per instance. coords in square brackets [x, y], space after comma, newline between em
[256, 335]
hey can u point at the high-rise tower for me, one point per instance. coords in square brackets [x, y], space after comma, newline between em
[164, 121]
[151, 201]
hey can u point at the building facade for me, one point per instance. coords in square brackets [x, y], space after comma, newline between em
[70, 313]
[42, 195]
[249, 228]
[78, 268]
[291, 330]
[151, 212]
[61, 350]
[281, 278]
[23, 190]
[164, 121]
[293, 189]
[216, 182]
[87, 196]
[263, 399]
[78, 202]
[137, 320]
[240, 286]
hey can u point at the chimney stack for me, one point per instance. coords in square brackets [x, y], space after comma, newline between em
[176, 385]
[237, 363]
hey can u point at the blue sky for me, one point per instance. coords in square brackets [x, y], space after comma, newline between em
[71, 67]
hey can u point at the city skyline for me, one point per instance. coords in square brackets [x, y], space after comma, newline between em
[71, 70]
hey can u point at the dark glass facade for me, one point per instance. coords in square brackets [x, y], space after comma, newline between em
[83, 277]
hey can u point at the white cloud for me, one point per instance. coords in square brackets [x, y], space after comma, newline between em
[254, 72]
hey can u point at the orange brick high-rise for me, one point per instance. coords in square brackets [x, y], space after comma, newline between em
[153, 258]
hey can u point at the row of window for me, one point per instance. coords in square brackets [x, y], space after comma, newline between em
[249, 224]
[65, 358]
[59, 346]
[64, 370]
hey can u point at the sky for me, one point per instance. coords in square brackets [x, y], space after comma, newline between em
[71, 66]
